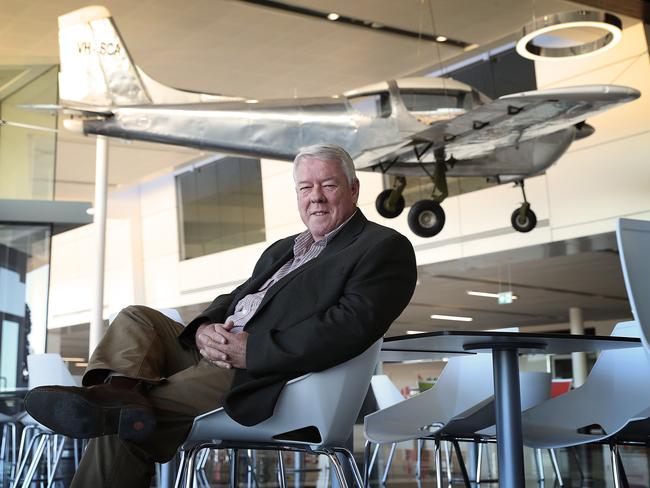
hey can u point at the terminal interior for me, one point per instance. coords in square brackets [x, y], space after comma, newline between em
[185, 225]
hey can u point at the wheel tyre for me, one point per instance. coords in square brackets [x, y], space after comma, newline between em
[381, 205]
[527, 225]
[426, 218]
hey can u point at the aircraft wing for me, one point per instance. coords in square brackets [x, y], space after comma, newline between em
[521, 116]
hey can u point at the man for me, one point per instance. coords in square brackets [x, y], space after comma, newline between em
[313, 301]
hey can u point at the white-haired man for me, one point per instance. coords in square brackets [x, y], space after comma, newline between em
[314, 300]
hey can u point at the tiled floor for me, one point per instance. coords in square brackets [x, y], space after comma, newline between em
[594, 462]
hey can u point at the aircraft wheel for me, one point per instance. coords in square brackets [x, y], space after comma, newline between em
[526, 224]
[381, 204]
[426, 218]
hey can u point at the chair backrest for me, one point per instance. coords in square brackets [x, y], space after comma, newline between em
[633, 237]
[385, 391]
[328, 401]
[465, 382]
[48, 369]
[172, 313]
[613, 394]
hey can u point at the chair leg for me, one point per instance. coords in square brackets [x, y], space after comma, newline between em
[576, 458]
[282, 480]
[358, 479]
[479, 459]
[368, 461]
[338, 469]
[234, 468]
[56, 460]
[389, 462]
[448, 461]
[461, 462]
[538, 464]
[23, 455]
[43, 438]
[438, 456]
[418, 465]
[618, 471]
[190, 466]
[556, 467]
[182, 467]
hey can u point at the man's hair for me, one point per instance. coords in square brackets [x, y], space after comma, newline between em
[327, 152]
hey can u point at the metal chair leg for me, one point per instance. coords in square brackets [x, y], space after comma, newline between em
[368, 462]
[418, 465]
[338, 469]
[35, 461]
[23, 456]
[234, 468]
[620, 478]
[461, 462]
[479, 458]
[56, 460]
[389, 462]
[190, 471]
[182, 467]
[448, 460]
[556, 467]
[539, 464]
[282, 480]
[438, 456]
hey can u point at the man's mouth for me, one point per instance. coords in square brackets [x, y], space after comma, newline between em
[319, 213]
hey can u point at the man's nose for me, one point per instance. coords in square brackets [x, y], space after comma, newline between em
[316, 195]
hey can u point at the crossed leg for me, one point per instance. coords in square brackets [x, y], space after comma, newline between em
[142, 343]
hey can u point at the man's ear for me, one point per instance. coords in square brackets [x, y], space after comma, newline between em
[355, 190]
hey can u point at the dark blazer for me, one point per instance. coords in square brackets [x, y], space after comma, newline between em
[319, 315]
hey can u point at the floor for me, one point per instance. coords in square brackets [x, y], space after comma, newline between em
[313, 472]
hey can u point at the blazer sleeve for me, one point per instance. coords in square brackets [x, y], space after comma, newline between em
[379, 288]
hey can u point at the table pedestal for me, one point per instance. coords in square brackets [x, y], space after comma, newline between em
[508, 418]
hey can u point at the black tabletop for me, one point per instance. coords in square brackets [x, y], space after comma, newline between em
[456, 341]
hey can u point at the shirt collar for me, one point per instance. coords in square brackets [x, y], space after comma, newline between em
[305, 240]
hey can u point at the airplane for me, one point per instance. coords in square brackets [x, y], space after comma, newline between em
[433, 127]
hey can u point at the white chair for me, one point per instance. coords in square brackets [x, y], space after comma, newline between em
[44, 369]
[386, 394]
[314, 413]
[463, 389]
[609, 399]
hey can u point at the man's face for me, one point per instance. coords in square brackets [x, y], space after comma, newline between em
[325, 198]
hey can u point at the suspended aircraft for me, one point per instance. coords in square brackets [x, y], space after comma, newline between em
[433, 127]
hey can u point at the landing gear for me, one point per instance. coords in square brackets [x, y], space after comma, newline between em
[523, 219]
[426, 218]
[390, 203]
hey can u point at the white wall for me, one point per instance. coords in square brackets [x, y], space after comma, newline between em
[599, 179]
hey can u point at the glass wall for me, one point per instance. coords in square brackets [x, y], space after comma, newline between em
[24, 281]
[27, 155]
[220, 206]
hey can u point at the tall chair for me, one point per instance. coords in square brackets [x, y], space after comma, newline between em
[315, 413]
[44, 369]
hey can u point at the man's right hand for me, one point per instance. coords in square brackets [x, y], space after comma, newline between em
[207, 337]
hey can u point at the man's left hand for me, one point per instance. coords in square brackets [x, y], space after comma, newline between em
[225, 349]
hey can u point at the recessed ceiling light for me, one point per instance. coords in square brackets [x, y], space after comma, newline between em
[411, 332]
[452, 317]
[569, 35]
[441, 39]
[252, 101]
[487, 294]
[333, 16]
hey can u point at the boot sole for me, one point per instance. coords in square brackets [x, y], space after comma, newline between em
[76, 416]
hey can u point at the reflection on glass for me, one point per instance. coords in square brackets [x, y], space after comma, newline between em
[24, 281]
[220, 207]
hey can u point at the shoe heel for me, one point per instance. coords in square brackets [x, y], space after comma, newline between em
[136, 423]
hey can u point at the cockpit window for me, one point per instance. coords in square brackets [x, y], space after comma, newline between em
[373, 105]
[434, 100]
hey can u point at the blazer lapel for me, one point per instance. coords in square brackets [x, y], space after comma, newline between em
[344, 238]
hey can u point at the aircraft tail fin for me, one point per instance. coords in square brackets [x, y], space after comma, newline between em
[97, 69]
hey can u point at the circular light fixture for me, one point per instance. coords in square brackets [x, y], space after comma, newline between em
[569, 35]
[441, 39]
[333, 16]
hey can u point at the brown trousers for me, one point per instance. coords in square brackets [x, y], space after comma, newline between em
[142, 343]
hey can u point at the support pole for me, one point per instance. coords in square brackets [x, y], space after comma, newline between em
[578, 359]
[101, 184]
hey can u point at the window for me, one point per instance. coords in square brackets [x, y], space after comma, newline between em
[220, 206]
[374, 105]
[433, 100]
